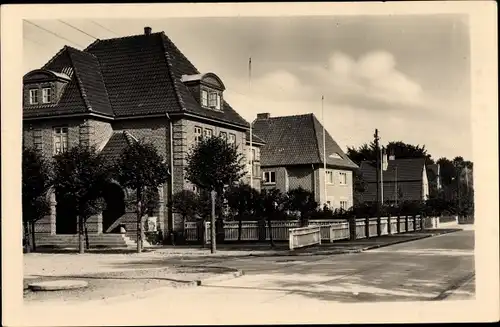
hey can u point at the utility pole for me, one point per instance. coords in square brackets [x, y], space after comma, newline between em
[377, 165]
[250, 93]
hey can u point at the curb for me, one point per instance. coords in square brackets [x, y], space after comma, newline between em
[408, 240]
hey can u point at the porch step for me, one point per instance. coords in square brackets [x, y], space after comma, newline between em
[95, 241]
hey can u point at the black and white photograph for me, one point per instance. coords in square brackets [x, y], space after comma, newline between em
[248, 163]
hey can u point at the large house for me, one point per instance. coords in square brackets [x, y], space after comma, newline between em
[403, 180]
[293, 156]
[120, 90]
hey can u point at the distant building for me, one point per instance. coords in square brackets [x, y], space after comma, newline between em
[403, 180]
[293, 157]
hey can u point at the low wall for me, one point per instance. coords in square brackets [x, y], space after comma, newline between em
[304, 236]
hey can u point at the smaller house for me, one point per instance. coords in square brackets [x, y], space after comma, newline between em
[403, 180]
[293, 157]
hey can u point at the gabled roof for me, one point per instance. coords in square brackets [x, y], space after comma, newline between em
[297, 140]
[402, 170]
[129, 76]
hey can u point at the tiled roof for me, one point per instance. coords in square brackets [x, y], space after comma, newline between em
[118, 142]
[410, 169]
[129, 76]
[255, 138]
[297, 140]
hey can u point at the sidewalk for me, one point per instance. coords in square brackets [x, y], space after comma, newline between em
[281, 248]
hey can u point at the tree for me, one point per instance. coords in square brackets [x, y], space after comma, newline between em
[142, 169]
[80, 174]
[303, 201]
[401, 150]
[213, 164]
[241, 199]
[185, 203]
[271, 203]
[37, 180]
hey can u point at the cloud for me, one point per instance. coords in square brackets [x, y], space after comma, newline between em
[373, 76]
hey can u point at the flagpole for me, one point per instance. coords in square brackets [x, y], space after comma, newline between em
[382, 174]
[250, 99]
[324, 142]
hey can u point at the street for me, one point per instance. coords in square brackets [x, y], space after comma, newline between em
[430, 269]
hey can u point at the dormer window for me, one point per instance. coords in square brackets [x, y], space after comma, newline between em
[46, 95]
[34, 96]
[207, 88]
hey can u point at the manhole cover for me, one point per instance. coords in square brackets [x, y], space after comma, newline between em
[57, 285]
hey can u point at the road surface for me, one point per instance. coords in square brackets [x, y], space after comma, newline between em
[431, 269]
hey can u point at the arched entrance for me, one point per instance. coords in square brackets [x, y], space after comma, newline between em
[114, 196]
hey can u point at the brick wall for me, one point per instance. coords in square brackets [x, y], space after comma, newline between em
[41, 132]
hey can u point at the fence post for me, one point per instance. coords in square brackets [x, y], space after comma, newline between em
[414, 222]
[379, 226]
[389, 223]
[406, 223]
[352, 228]
[422, 217]
[367, 227]
[398, 223]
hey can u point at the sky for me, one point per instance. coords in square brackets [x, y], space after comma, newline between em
[407, 76]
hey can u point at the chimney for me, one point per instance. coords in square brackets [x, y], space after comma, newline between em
[147, 30]
[265, 115]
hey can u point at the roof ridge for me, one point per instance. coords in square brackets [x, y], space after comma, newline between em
[129, 36]
[313, 118]
[79, 81]
[164, 36]
[170, 72]
[51, 60]
[100, 72]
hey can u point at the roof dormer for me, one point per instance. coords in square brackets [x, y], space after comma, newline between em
[43, 87]
[207, 88]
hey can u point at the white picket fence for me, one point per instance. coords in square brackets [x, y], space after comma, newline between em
[330, 230]
[304, 236]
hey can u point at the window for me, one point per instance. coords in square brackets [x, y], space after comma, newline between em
[204, 98]
[223, 135]
[343, 178]
[197, 134]
[218, 103]
[343, 204]
[269, 177]
[232, 138]
[34, 96]
[208, 133]
[212, 100]
[329, 177]
[60, 139]
[46, 95]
